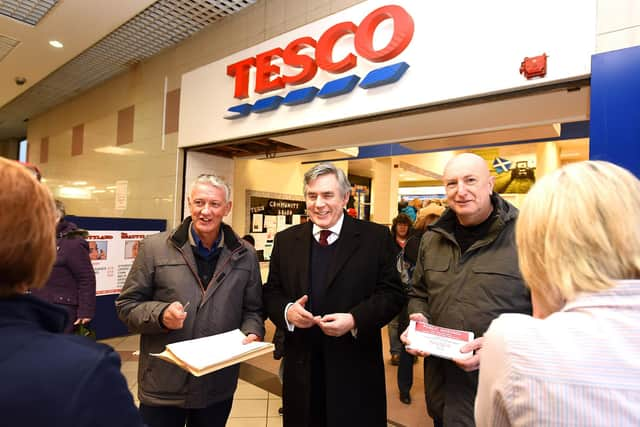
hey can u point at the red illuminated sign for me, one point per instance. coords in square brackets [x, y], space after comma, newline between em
[269, 78]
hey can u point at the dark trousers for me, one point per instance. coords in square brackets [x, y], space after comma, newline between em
[405, 372]
[171, 416]
[318, 410]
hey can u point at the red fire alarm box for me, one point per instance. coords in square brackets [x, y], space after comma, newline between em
[535, 66]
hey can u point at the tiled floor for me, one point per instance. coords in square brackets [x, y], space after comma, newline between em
[254, 406]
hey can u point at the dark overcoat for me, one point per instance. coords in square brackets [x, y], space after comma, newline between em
[363, 281]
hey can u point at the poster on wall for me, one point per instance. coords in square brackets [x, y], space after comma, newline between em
[112, 254]
[513, 174]
[113, 244]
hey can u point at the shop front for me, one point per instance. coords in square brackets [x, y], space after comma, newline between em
[391, 82]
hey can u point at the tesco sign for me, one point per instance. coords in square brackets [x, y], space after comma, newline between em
[347, 67]
[268, 76]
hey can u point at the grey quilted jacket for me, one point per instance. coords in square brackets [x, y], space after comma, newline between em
[165, 271]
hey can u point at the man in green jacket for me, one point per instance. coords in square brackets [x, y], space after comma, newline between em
[466, 275]
[198, 280]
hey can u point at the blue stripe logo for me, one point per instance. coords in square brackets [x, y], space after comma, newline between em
[375, 78]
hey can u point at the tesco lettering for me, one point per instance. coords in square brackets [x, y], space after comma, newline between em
[269, 78]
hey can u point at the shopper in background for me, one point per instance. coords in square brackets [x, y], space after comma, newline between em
[203, 263]
[332, 286]
[575, 361]
[48, 378]
[407, 261]
[407, 209]
[72, 283]
[426, 216]
[466, 275]
[401, 230]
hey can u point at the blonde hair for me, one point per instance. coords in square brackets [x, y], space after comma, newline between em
[27, 227]
[579, 231]
[428, 215]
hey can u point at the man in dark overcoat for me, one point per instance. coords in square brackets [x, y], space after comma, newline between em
[332, 286]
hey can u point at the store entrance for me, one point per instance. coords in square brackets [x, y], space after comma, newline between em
[521, 135]
[401, 155]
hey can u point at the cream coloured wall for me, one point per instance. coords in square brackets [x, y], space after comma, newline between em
[153, 174]
[547, 158]
[384, 191]
[618, 24]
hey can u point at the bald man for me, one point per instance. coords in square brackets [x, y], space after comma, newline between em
[466, 275]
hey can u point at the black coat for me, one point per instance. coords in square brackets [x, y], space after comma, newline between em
[363, 281]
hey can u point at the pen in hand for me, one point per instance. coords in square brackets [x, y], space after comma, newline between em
[184, 308]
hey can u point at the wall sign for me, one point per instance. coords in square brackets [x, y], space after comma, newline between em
[269, 213]
[355, 63]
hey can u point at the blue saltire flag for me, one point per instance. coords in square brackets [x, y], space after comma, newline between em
[501, 164]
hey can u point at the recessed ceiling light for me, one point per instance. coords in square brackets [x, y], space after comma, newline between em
[56, 43]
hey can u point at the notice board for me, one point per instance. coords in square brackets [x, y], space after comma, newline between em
[269, 213]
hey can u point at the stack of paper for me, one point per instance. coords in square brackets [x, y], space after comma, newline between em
[202, 356]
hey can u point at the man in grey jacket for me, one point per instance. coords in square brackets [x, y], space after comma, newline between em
[466, 275]
[198, 280]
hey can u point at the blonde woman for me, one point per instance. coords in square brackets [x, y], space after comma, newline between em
[576, 360]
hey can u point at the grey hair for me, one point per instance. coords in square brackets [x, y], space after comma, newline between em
[323, 169]
[60, 208]
[213, 180]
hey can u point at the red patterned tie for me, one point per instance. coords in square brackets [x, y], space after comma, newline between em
[324, 234]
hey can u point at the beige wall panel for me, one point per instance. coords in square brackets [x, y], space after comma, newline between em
[616, 15]
[618, 24]
[319, 10]
[150, 128]
[77, 140]
[59, 148]
[618, 40]
[172, 112]
[126, 117]
[44, 150]
[100, 132]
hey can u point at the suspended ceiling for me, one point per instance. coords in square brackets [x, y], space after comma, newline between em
[101, 39]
